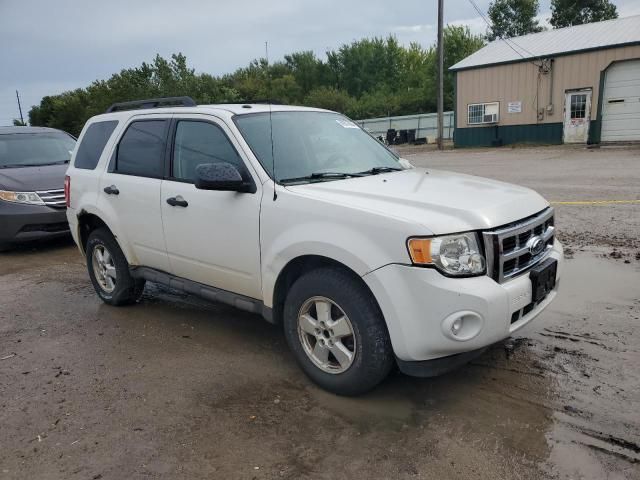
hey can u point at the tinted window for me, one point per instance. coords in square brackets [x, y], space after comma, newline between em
[32, 149]
[92, 144]
[141, 150]
[201, 142]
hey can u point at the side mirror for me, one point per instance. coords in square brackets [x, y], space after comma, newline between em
[221, 176]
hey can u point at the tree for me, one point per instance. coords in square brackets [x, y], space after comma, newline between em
[459, 43]
[18, 123]
[512, 18]
[366, 78]
[565, 13]
[331, 99]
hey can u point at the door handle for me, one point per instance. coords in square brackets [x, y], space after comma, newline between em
[177, 201]
[111, 190]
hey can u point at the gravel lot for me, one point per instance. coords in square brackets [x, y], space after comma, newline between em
[176, 388]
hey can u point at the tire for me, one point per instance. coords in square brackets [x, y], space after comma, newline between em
[123, 289]
[346, 298]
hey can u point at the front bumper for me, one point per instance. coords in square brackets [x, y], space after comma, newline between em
[21, 223]
[420, 304]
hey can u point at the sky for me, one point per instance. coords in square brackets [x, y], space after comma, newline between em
[47, 47]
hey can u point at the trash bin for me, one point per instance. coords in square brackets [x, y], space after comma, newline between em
[391, 136]
[402, 137]
[411, 136]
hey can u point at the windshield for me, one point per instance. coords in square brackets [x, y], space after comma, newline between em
[33, 149]
[307, 144]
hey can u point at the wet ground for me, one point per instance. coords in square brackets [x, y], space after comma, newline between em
[177, 388]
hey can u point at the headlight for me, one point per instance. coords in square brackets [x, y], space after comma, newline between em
[457, 255]
[30, 198]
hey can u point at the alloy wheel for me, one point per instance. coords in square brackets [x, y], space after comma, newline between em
[104, 268]
[326, 335]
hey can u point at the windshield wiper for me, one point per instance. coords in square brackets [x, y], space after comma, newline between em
[22, 165]
[377, 170]
[17, 165]
[321, 176]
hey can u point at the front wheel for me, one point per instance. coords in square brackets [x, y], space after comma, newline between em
[109, 270]
[337, 332]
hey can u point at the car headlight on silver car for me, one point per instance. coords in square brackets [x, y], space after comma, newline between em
[456, 255]
[29, 198]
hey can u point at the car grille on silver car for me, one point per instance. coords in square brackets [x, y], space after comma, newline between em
[513, 249]
[53, 198]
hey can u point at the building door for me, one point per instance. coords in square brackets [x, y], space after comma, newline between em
[577, 114]
[621, 103]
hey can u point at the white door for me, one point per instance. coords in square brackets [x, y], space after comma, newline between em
[129, 193]
[577, 115]
[621, 103]
[212, 237]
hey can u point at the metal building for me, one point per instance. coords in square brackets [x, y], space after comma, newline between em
[571, 85]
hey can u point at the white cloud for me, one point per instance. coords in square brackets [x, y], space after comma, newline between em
[414, 28]
[477, 25]
[50, 46]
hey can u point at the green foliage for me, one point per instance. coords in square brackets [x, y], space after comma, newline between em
[18, 123]
[565, 13]
[512, 18]
[367, 78]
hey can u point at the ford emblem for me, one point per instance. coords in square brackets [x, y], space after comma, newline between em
[535, 245]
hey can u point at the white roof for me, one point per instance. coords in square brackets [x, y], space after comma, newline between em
[222, 109]
[553, 42]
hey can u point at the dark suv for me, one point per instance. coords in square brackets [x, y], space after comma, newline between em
[33, 161]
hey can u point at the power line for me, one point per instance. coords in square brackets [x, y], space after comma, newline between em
[505, 40]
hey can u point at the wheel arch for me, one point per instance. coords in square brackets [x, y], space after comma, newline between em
[90, 221]
[297, 267]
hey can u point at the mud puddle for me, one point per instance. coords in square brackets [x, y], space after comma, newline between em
[179, 388]
[589, 346]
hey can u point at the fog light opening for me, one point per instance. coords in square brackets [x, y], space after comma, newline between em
[456, 326]
[462, 326]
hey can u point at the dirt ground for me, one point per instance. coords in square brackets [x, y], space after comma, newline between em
[177, 388]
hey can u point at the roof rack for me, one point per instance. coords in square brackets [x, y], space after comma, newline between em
[260, 101]
[152, 103]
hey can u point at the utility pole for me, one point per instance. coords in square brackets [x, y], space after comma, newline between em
[440, 73]
[19, 107]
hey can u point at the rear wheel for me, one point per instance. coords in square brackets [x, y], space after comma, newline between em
[337, 332]
[109, 270]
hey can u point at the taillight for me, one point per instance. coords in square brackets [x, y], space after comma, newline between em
[67, 190]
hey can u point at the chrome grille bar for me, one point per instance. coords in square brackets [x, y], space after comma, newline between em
[52, 198]
[509, 249]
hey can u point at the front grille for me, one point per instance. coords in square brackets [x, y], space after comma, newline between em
[53, 198]
[523, 312]
[46, 227]
[510, 250]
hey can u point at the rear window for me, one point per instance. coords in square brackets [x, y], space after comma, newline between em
[92, 144]
[35, 149]
[142, 148]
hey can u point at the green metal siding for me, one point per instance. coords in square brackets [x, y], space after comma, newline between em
[542, 133]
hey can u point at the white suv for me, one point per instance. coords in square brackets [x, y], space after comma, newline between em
[299, 215]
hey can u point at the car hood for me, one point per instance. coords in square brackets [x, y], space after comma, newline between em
[30, 179]
[442, 202]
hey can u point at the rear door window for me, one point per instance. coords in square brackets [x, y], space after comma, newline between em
[92, 144]
[142, 149]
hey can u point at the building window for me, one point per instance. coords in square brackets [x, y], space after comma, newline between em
[578, 105]
[483, 113]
